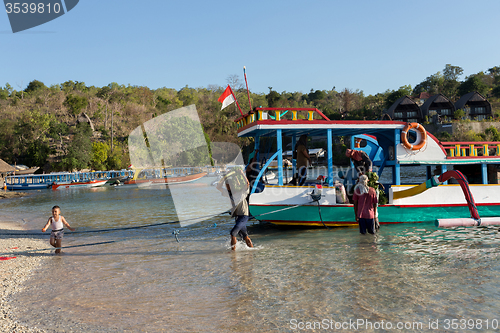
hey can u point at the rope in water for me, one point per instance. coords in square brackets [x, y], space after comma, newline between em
[115, 229]
[54, 248]
[175, 233]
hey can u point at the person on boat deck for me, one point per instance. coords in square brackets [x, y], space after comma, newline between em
[58, 222]
[236, 186]
[365, 205]
[302, 159]
[362, 162]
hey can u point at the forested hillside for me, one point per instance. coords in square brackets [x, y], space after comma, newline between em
[74, 126]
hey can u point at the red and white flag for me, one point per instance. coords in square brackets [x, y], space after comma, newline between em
[227, 97]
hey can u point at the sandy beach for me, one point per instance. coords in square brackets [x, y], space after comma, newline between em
[15, 271]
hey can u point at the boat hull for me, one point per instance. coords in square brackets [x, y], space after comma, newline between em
[166, 181]
[343, 215]
[285, 205]
[25, 187]
[89, 184]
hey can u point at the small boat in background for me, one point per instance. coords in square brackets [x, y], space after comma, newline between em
[148, 177]
[24, 170]
[44, 181]
[87, 184]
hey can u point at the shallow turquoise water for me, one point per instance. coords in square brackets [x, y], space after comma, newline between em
[146, 281]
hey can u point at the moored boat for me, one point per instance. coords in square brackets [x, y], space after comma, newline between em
[151, 177]
[24, 170]
[86, 184]
[391, 145]
[44, 181]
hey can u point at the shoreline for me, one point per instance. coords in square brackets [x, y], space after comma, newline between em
[12, 194]
[14, 272]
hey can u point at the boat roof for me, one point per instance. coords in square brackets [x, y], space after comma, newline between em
[382, 132]
[262, 128]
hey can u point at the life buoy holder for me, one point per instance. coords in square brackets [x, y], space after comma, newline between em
[423, 136]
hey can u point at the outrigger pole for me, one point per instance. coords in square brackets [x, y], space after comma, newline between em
[248, 91]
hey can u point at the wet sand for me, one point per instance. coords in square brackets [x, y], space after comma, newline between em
[14, 272]
[12, 194]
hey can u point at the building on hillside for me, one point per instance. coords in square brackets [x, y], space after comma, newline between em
[405, 109]
[475, 106]
[438, 108]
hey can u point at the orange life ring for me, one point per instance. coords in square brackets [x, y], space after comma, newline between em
[423, 134]
[357, 143]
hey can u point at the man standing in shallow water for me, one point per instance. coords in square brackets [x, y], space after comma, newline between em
[365, 205]
[237, 189]
[58, 222]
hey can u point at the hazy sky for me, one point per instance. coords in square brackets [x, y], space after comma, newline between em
[288, 45]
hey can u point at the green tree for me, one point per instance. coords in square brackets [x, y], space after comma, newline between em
[116, 159]
[70, 86]
[8, 139]
[4, 94]
[474, 83]
[80, 149]
[495, 92]
[432, 84]
[188, 96]
[397, 94]
[37, 153]
[459, 114]
[451, 83]
[32, 131]
[76, 104]
[34, 86]
[100, 151]
[272, 98]
[492, 133]
[9, 88]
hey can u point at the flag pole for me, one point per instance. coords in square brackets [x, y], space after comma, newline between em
[248, 92]
[235, 99]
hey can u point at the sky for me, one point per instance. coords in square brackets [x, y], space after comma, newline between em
[292, 46]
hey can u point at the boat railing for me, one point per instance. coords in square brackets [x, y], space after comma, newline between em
[472, 149]
[279, 114]
[262, 170]
[50, 178]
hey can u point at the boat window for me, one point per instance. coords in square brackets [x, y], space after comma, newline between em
[412, 136]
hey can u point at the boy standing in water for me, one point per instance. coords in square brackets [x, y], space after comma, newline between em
[58, 222]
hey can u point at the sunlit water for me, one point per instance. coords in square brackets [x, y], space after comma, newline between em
[144, 280]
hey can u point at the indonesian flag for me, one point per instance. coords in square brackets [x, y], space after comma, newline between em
[227, 97]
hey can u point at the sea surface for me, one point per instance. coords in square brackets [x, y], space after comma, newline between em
[410, 276]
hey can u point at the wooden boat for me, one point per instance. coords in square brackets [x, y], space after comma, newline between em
[151, 177]
[87, 184]
[44, 181]
[24, 170]
[389, 145]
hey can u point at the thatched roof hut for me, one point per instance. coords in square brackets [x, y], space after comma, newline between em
[5, 167]
[475, 106]
[405, 109]
[438, 105]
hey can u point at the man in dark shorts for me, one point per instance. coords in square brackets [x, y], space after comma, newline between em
[237, 189]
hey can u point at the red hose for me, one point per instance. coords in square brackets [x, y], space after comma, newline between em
[465, 188]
